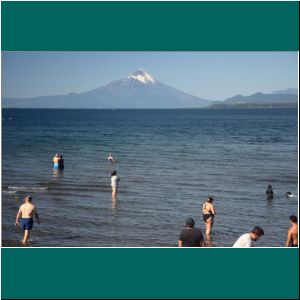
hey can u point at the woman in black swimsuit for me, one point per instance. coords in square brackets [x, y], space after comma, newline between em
[208, 215]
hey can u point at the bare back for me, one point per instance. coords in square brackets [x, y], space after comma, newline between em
[56, 159]
[27, 210]
[208, 208]
[294, 233]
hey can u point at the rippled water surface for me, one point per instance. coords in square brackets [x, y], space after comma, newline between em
[168, 161]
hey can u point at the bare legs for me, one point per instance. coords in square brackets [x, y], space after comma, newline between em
[114, 193]
[26, 237]
[209, 225]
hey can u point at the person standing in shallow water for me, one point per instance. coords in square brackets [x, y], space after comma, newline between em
[24, 218]
[190, 236]
[114, 184]
[292, 238]
[269, 192]
[56, 160]
[61, 165]
[245, 241]
[209, 213]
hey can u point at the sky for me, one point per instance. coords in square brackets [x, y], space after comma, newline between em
[208, 75]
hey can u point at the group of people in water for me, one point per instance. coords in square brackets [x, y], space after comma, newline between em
[189, 237]
[193, 237]
[270, 194]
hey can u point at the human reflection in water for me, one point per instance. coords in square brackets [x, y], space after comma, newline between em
[208, 241]
[58, 173]
[113, 203]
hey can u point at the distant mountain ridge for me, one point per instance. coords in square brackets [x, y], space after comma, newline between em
[287, 91]
[261, 98]
[141, 90]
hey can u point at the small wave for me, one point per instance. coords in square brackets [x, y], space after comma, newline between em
[9, 192]
[26, 189]
[272, 140]
[16, 188]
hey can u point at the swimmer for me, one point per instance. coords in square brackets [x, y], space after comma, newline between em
[292, 239]
[289, 195]
[110, 159]
[114, 184]
[25, 214]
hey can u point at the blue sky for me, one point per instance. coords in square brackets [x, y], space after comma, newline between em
[209, 75]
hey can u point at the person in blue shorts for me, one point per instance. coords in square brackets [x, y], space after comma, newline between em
[56, 160]
[24, 218]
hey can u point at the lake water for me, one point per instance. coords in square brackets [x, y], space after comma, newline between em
[168, 161]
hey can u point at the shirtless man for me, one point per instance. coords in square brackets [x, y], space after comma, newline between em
[25, 214]
[292, 239]
[56, 160]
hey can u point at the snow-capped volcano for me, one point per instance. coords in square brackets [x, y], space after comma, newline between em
[138, 90]
[142, 76]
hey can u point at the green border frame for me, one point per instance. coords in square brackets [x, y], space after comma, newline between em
[150, 273]
[151, 26]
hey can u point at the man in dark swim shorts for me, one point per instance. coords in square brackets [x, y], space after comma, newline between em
[26, 223]
[24, 216]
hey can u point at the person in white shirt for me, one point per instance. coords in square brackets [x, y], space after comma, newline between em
[246, 239]
[114, 184]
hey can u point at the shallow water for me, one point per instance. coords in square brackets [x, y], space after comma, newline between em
[169, 161]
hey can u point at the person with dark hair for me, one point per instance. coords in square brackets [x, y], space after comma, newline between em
[269, 192]
[60, 162]
[292, 238]
[246, 239]
[289, 195]
[114, 184]
[25, 214]
[208, 215]
[191, 236]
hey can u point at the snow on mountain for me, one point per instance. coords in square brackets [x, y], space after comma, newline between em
[142, 76]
